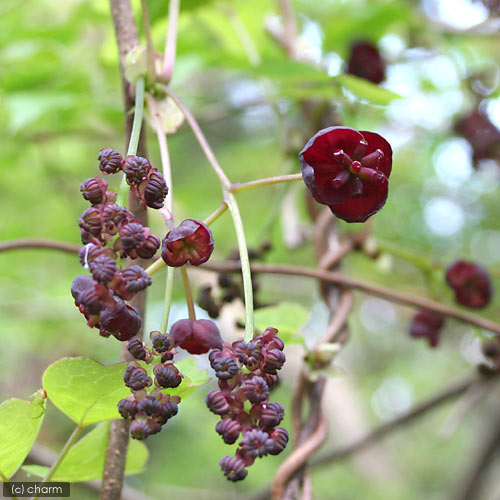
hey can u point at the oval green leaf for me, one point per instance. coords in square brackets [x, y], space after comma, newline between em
[88, 392]
[85, 460]
[20, 422]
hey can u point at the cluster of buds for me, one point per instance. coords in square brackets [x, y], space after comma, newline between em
[149, 411]
[145, 181]
[109, 232]
[108, 223]
[247, 372]
[231, 288]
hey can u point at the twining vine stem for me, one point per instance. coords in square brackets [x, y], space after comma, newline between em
[134, 136]
[67, 446]
[169, 200]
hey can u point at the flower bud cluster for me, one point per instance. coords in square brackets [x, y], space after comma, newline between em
[247, 372]
[149, 411]
[109, 231]
[145, 181]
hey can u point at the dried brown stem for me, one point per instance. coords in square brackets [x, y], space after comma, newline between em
[340, 279]
[116, 452]
[455, 390]
[30, 243]
[298, 458]
[470, 486]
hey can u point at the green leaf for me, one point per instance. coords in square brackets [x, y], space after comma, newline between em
[286, 317]
[88, 392]
[20, 422]
[85, 460]
[366, 90]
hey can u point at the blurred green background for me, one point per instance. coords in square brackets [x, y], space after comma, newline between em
[61, 102]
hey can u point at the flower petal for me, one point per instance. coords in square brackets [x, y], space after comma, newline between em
[359, 209]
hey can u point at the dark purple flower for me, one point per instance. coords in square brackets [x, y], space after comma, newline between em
[139, 429]
[225, 367]
[273, 361]
[127, 407]
[366, 62]
[257, 443]
[272, 414]
[255, 389]
[136, 377]
[471, 284]
[191, 242]
[110, 161]
[197, 337]
[121, 319]
[280, 440]
[149, 405]
[234, 468]
[150, 246]
[94, 190]
[167, 375]
[248, 353]
[427, 324]
[136, 169]
[348, 171]
[156, 190]
[217, 402]
[103, 269]
[137, 348]
[162, 342]
[229, 429]
[136, 279]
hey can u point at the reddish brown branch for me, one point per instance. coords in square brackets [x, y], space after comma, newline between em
[298, 457]
[341, 279]
[116, 452]
[449, 393]
[470, 486]
[30, 243]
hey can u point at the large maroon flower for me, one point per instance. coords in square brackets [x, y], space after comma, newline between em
[366, 62]
[470, 282]
[197, 337]
[348, 171]
[191, 242]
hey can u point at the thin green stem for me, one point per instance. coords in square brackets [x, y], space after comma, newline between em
[134, 136]
[189, 295]
[245, 264]
[150, 49]
[171, 40]
[169, 288]
[216, 214]
[233, 207]
[200, 137]
[244, 37]
[417, 260]
[268, 181]
[155, 266]
[69, 443]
